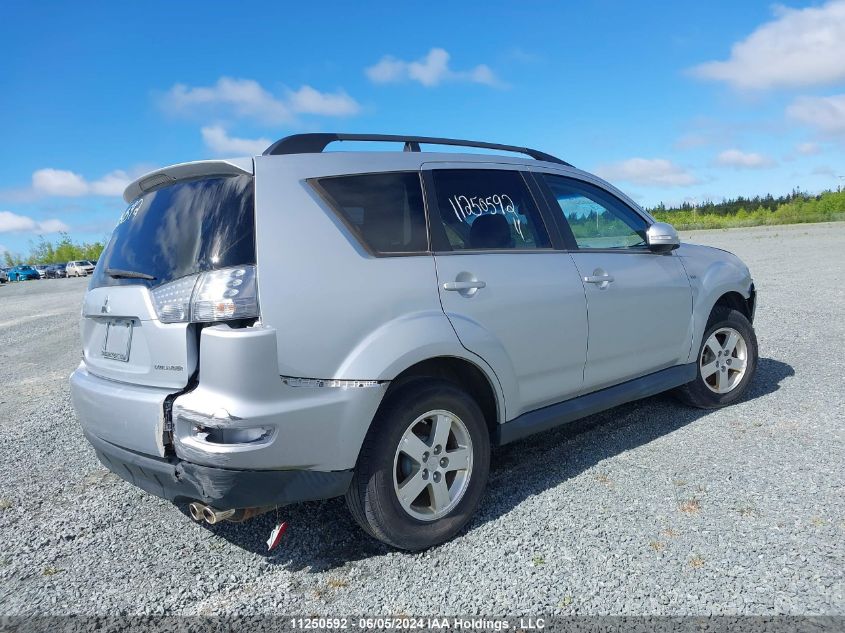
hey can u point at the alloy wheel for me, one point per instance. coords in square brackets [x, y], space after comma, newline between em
[432, 465]
[723, 360]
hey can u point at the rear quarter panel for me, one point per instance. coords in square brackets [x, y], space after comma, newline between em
[339, 312]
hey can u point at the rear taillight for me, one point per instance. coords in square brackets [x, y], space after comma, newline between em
[216, 295]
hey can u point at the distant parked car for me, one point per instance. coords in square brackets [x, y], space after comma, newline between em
[3, 276]
[56, 271]
[42, 270]
[20, 273]
[79, 268]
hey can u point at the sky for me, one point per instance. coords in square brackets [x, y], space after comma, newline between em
[670, 101]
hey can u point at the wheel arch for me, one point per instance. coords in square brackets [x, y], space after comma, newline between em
[467, 375]
[719, 283]
[734, 300]
[385, 355]
[728, 295]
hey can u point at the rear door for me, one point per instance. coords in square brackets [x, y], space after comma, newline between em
[511, 298]
[639, 303]
[164, 236]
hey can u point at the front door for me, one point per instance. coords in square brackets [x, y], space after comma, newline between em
[511, 298]
[639, 303]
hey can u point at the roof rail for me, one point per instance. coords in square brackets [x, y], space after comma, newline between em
[316, 143]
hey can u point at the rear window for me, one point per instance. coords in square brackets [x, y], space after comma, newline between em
[385, 211]
[183, 229]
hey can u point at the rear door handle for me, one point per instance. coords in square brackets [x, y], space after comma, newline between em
[598, 279]
[464, 285]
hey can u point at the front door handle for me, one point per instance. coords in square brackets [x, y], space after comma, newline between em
[598, 279]
[464, 285]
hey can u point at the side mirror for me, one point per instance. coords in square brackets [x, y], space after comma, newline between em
[662, 238]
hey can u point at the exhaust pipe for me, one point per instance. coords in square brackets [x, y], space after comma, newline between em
[213, 516]
[201, 512]
[196, 510]
[248, 513]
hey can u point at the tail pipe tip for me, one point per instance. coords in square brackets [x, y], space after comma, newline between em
[201, 512]
[213, 516]
[196, 510]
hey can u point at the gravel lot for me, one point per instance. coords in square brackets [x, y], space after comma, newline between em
[650, 508]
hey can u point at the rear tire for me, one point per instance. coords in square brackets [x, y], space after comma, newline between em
[725, 362]
[423, 466]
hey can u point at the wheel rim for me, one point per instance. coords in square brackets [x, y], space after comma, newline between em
[432, 465]
[723, 360]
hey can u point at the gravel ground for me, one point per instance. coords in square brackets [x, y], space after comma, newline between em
[650, 508]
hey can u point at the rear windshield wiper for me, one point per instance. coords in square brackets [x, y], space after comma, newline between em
[127, 274]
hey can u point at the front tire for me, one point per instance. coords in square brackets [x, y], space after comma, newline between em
[423, 466]
[726, 361]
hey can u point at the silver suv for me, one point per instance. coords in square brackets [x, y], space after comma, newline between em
[307, 324]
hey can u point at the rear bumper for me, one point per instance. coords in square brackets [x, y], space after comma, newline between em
[178, 480]
[129, 415]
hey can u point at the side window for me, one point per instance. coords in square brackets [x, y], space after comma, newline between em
[385, 210]
[484, 209]
[597, 218]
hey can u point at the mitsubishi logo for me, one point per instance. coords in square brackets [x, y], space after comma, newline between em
[105, 309]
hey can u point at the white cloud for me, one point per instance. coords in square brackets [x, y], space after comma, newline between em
[219, 142]
[826, 114]
[307, 100]
[112, 184]
[14, 223]
[246, 98]
[748, 160]
[648, 171]
[62, 182]
[808, 149]
[59, 182]
[431, 70]
[799, 47]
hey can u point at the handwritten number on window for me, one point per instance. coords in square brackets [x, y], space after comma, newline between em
[465, 207]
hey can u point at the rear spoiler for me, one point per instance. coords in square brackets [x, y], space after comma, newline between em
[187, 171]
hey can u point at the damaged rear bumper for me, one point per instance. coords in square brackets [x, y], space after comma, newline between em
[178, 480]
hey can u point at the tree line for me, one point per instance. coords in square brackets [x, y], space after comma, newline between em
[794, 208]
[61, 251]
[730, 206]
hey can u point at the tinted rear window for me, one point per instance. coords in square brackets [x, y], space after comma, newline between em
[385, 211]
[183, 229]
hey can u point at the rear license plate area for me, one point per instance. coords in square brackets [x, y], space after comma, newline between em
[118, 340]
